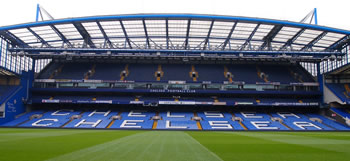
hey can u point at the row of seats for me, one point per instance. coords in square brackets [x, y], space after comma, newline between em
[176, 119]
[345, 113]
[248, 73]
[342, 90]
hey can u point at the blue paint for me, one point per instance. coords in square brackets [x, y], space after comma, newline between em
[320, 80]
[1, 50]
[172, 16]
[315, 13]
[13, 103]
[37, 12]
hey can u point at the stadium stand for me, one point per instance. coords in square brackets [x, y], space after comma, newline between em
[342, 112]
[146, 72]
[176, 119]
[108, 71]
[341, 90]
[208, 81]
[73, 71]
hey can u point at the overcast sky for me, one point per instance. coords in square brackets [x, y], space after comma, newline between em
[332, 13]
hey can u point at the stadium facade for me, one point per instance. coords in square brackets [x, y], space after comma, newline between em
[174, 71]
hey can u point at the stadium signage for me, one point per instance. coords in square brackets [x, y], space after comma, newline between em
[176, 82]
[244, 103]
[136, 102]
[288, 104]
[229, 103]
[268, 83]
[50, 101]
[305, 84]
[171, 91]
[234, 82]
[177, 102]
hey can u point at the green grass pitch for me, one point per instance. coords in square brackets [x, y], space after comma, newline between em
[123, 145]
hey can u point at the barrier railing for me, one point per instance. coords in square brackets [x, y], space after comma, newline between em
[179, 85]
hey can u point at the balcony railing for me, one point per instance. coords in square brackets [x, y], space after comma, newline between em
[175, 85]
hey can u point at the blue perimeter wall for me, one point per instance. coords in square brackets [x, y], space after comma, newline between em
[14, 104]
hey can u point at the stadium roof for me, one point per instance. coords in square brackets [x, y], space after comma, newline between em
[185, 32]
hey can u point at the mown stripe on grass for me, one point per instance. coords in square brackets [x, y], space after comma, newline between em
[267, 146]
[305, 139]
[147, 146]
[38, 133]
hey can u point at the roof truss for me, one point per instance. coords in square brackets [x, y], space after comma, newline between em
[180, 33]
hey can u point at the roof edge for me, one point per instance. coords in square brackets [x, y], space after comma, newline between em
[174, 16]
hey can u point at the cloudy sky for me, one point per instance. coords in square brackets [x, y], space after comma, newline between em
[332, 13]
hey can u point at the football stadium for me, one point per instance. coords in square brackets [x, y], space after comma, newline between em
[177, 87]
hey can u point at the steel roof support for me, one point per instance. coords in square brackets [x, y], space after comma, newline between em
[167, 33]
[13, 39]
[86, 36]
[63, 38]
[146, 33]
[187, 33]
[208, 35]
[104, 34]
[340, 43]
[229, 36]
[314, 41]
[269, 37]
[125, 34]
[39, 37]
[250, 37]
[115, 51]
[291, 40]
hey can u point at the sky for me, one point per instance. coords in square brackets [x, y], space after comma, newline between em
[331, 13]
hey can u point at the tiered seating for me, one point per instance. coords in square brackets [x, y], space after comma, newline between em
[134, 119]
[216, 120]
[93, 119]
[108, 71]
[51, 118]
[176, 72]
[213, 73]
[248, 73]
[142, 72]
[300, 121]
[342, 112]
[329, 122]
[22, 119]
[259, 121]
[49, 70]
[176, 120]
[339, 90]
[305, 76]
[278, 73]
[73, 71]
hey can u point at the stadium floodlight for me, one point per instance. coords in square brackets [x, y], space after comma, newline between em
[339, 58]
[284, 55]
[21, 53]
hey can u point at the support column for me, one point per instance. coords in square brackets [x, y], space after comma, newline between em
[320, 80]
